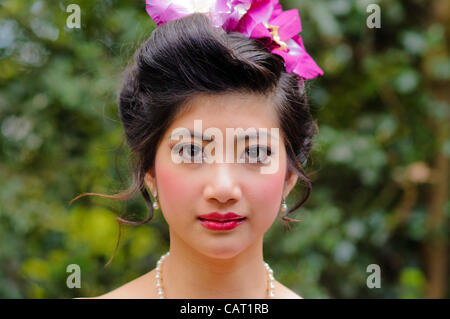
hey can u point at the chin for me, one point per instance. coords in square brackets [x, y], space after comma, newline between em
[222, 252]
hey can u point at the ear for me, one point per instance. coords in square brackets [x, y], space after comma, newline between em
[291, 180]
[150, 181]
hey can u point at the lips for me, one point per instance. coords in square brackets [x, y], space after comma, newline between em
[217, 221]
[215, 216]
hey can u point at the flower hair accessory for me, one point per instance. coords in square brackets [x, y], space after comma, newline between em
[259, 19]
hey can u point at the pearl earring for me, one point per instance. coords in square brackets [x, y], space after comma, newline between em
[155, 203]
[283, 205]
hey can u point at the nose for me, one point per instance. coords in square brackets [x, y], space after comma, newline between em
[223, 186]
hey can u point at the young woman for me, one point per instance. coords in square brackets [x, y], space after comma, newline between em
[200, 80]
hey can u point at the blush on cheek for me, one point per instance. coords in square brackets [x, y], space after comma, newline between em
[271, 187]
[265, 191]
[172, 184]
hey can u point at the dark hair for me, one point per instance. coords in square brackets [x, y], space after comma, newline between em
[186, 57]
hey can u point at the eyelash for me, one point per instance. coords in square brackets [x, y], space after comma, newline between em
[267, 151]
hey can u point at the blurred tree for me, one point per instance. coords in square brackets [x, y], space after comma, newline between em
[379, 167]
[436, 244]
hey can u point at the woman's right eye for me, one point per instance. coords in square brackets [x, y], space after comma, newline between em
[189, 152]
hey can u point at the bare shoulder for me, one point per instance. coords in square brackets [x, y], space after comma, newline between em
[283, 292]
[139, 288]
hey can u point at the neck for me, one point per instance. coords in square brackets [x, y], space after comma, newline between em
[188, 273]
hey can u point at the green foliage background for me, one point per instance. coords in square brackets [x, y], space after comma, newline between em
[378, 167]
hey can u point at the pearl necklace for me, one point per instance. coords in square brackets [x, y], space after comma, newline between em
[160, 287]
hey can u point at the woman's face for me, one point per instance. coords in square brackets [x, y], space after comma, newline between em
[187, 190]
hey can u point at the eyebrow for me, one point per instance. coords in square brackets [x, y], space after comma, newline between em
[251, 135]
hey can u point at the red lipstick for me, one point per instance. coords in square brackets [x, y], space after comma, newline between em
[217, 221]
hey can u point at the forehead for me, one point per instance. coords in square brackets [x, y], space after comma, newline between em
[229, 110]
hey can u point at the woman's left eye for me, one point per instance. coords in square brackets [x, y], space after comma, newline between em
[257, 154]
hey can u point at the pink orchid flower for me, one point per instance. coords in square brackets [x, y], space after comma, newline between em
[278, 30]
[223, 13]
[264, 20]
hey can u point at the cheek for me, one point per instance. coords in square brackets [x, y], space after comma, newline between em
[265, 193]
[172, 184]
[268, 189]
